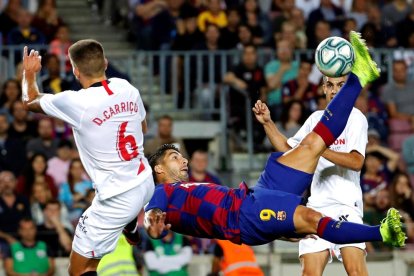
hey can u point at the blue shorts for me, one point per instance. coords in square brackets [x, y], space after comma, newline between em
[266, 215]
[277, 176]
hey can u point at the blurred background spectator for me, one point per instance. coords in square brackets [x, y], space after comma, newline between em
[198, 169]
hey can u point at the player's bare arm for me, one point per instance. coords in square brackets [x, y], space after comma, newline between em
[350, 160]
[144, 126]
[276, 138]
[154, 223]
[31, 66]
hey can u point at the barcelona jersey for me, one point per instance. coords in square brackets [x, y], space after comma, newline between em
[204, 210]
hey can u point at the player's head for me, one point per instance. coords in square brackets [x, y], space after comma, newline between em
[88, 59]
[331, 86]
[168, 165]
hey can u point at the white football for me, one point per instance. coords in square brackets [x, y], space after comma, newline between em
[334, 56]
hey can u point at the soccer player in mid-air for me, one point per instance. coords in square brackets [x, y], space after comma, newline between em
[273, 208]
[335, 188]
[108, 120]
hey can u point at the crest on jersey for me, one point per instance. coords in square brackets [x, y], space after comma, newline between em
[281, 215]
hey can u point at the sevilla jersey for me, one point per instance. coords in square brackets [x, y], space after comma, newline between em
[106, 120]
[204, 210]
[333, 184]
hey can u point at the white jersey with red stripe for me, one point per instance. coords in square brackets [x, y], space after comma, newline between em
[332, 184]
[106, 120]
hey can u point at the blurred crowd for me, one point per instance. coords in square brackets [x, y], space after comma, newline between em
[43, 186]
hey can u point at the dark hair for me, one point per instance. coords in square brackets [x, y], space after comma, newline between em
[3, 97]
[29, 173]
[396, 200]
[53, 202]
[88, 56]
[71, 181]
[165, 116]
[250, 45]
[27, 219]
[284, 117]
[154, 159]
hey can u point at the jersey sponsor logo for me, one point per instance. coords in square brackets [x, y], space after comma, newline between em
[268, 214]
[81, 223]
[123, 107]
[339, 142]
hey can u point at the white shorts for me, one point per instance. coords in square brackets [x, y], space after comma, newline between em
[337, 212]
[100, 226]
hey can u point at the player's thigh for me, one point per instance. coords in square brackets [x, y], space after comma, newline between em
[277, 176]
[79, 264]
[306, 220]
[306, 155]
[313, 264]
[354, 260]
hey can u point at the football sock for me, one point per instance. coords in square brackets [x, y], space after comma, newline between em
[342, 232]
[336, 114]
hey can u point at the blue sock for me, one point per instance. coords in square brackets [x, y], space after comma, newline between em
[336, 114]
[343, 232]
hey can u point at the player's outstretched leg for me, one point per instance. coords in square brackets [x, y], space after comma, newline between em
[341, 232]
[337, 112]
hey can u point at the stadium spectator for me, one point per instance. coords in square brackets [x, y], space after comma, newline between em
[292, 118]
[350, 24]
[233, 259]
[35, 172]
[277, 72]
[52, 82]
[53, 232]
[398, 95]
[229, 35]
[258, 22]
[21, 127]
[401, 192]
[72, 193]
[359, 13]
[29, 256]
[13, 207]
[408, 156]
[40, 196]
[301, 88]
[119, 262]
[327, 12]
[298, 21]
[213, 15]
[373, 215]
[62, 130]
[322, 30]
[285, 15]
[164, 25]
[60, 44]
[198, 168]
[380, 164]
[374, 31]
[404, 30]
[12, 153]
[11, 92]
[165, 128]
[247, 76]
[395, 11]
[141, 24]
[45, 144]
[25, 33]
[58, 166]
[173, 251]
[245, 36]
[47, 19]
[188, 35]
[9, 17]
[307, 6]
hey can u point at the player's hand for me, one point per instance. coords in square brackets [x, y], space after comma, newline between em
[32, 62]
[262, 112]
[157, 226]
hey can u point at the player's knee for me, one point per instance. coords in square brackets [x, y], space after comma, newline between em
[309, 140]
[355, 269]
[310, 271]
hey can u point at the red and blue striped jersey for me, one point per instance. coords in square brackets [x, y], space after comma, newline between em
[204, 210]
